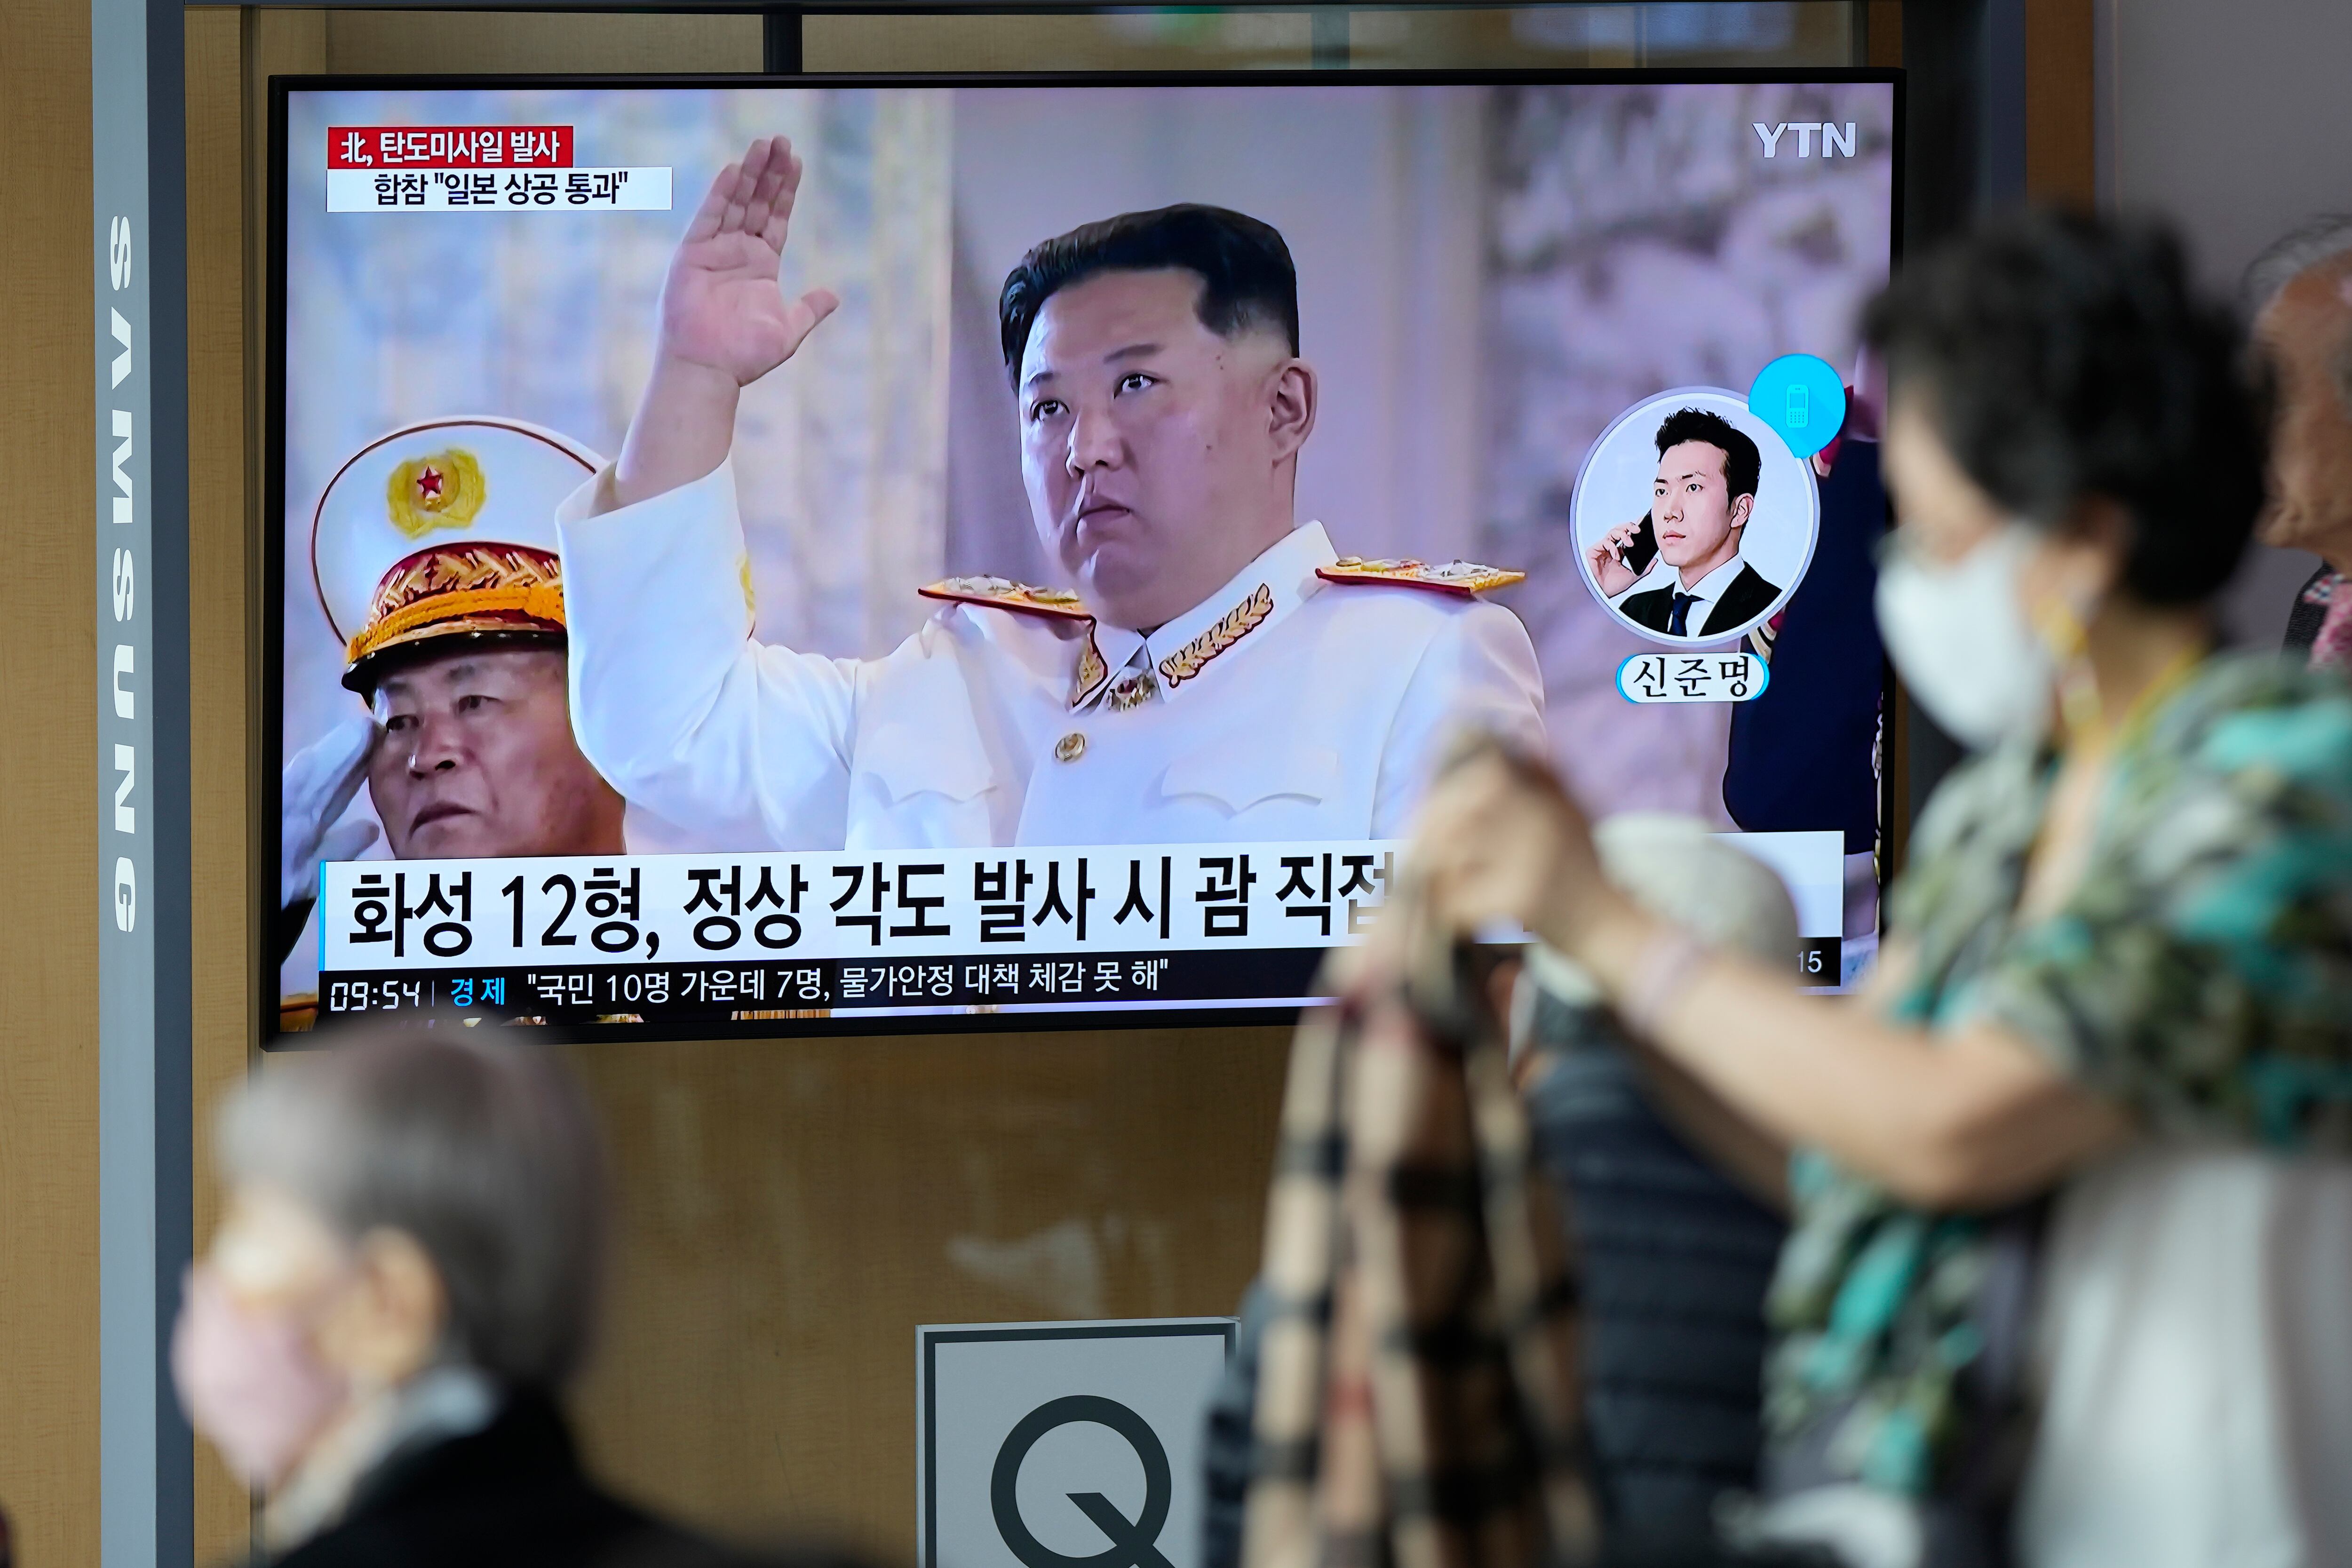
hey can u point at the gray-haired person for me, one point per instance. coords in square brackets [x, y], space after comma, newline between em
[2298, 293]
[405, 1277]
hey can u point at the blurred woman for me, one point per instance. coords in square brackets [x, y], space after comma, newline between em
[404, 1280]
[2130, 917]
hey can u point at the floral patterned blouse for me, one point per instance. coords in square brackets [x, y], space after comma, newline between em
[2200, 975]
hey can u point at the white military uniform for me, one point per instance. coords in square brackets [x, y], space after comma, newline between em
[1284, 707]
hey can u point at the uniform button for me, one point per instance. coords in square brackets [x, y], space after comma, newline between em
[1070, 747]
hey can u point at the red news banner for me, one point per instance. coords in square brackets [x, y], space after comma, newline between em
[449, 147]
[478, 168]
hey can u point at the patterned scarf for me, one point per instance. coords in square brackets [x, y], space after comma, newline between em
[1417, 1403]
[2331, 647]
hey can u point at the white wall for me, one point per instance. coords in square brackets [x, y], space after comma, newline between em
[2230, 117]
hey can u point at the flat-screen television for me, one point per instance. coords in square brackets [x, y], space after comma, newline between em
[759, 556]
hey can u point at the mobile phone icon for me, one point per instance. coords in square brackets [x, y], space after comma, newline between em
[1800, 404]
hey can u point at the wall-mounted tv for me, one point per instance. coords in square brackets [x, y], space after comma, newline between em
[759, 556]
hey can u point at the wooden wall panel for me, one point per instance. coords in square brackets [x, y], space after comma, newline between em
[221, 568]
[1820, 32]
[48, 781]
[2061, 111]
[1883, 20]
[443, 42]
[884, 42]
[790, 1212]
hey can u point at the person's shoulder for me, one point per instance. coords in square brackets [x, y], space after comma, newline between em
[2251, 710]
[1981, 819]
[565, 1520]
[1997, 792]
[561, 1528]
[993, 618]
[1652, 607]
[1407, 599]
[986, 592]
[2309, 612]
[1748, 596]
[2262, 721]
[511, 1491]
[2234, 796]
[343, 1546]
[2232, 824]
[1450, 580]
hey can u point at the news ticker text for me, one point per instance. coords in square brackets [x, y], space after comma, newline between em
[932, 903]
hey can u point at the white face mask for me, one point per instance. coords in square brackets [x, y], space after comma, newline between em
[1960, 639]
[250, 1380]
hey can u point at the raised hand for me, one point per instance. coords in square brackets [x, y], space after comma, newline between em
[1608, 559]
[1499, 840]
[724, 324]
[721, 306]
[314, 787]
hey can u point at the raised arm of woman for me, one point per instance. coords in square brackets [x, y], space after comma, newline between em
[1969, 1119]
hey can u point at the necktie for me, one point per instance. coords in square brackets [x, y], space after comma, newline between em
[1678, 623]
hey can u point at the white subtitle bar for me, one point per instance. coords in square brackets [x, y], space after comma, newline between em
[497, 190]
[1692, 678]
[430, 914]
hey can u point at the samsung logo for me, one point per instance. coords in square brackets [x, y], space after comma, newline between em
[1837, 141]
[121, 427]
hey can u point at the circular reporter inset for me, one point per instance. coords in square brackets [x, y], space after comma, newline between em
[1694, 522]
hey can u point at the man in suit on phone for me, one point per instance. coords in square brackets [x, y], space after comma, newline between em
[1699, 506]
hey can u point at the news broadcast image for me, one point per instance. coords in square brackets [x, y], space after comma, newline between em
[1054, 634]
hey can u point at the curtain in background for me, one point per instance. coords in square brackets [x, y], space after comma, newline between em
[841, 460]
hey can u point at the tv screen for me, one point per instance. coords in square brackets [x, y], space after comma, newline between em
[753, 558]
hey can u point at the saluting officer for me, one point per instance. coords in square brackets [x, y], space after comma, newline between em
[433, 550]
[1220, 674]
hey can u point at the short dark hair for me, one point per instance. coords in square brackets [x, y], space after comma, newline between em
[1743, 464]
[2061, 355]
[483, 1150]
[1247, 280]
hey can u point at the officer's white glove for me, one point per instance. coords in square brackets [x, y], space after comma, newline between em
[316, 784]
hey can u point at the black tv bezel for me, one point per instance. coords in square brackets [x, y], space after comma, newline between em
[268, 848]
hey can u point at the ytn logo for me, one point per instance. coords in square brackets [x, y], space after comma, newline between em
[1837, 141]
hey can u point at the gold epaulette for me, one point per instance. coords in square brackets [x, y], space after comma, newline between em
[1003, 593]
[1466, 578]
